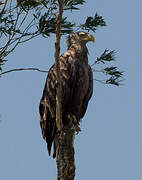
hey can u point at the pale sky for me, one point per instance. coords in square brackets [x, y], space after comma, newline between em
[109, 147]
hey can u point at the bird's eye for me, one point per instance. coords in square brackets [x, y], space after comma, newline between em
[81, 34]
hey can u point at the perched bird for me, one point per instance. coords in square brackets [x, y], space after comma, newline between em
[77, 87]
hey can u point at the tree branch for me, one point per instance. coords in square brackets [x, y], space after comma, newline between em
[5, 2]
[23, 69]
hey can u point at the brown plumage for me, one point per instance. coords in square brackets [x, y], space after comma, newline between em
[77, 86]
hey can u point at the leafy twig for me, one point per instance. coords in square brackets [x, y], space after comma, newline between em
[115, 76]
[92, 23]
[106, 56]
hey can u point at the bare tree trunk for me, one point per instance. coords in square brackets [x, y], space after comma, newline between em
[65, 154]
[65, 135]
[57, 63]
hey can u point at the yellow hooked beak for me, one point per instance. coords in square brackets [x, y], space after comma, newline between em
[91, 38]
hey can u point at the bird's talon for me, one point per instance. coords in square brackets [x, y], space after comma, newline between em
[74, 118]
[77, 129]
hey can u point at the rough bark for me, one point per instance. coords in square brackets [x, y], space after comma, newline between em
[65, 154]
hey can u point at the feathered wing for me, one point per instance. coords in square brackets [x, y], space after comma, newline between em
[89, 92]
[82, 91]
[47, 107]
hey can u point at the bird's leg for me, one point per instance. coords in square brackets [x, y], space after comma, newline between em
[76, 125]
[73, 119]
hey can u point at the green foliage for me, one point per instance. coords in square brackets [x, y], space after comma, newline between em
[114, 75]
[106, 56]
[67, 4]
[92, 23]
[43, 13]
[13, 29]
[113, 71]
[6, 25]
[71, 4]
[47, 25]
[28, 5]
[25, 20]
[113, 81]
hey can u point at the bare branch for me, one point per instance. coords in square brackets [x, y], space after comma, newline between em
[5, 2]
[16, 33]
[23, 69]
[11, 36]
[101, 81]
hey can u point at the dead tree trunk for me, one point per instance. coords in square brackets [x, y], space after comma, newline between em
[65, 135]
[57, 63]
[65, 154]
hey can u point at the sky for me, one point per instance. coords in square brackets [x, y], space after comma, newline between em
[109, 147]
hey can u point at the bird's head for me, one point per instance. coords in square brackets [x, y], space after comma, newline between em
[79, 38]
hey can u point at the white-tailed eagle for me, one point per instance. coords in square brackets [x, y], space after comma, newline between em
[77, 87]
